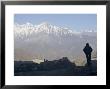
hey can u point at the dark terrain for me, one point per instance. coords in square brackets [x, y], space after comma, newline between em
[61, 67]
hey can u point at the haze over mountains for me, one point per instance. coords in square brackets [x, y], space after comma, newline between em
[51, 42]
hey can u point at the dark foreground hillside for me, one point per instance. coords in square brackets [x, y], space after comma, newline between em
[61, 67]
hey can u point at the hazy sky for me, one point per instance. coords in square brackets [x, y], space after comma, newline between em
[74, 21]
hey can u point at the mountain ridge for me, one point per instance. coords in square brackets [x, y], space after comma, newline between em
[28, 29]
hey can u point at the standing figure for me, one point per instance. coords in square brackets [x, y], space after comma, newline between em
[88, 50]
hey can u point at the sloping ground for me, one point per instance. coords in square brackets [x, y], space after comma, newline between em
[54, 68]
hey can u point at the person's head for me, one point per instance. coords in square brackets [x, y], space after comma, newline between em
[87, 44]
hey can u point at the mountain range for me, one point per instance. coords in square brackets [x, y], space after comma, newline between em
[47, 41]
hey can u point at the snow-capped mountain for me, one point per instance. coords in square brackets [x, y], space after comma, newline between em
[50, 41]
[30, 29]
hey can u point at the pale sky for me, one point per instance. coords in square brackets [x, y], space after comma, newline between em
[74, 21]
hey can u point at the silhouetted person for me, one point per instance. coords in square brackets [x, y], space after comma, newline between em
[88, 50]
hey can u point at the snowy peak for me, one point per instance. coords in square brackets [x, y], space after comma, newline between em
[45, 24]
[28, 29]
[52, 29]
[45, 27]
